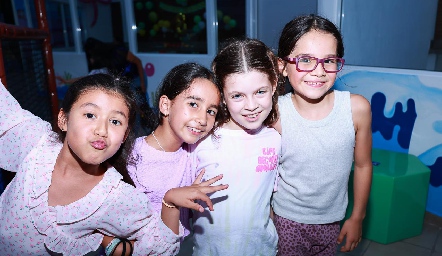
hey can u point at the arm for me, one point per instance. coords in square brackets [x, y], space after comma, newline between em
[363, 168]
[185, 197]
[20, 131]
[67, 81]
[119, 249]
[134, 59]
[128, 214]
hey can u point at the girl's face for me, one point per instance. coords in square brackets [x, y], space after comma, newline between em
[315, 84]
[96, 126]
[191, 115]
[248, 97]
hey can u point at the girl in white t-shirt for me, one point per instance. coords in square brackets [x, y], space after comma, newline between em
[245, 150]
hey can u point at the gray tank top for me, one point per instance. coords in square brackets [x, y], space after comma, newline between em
[315, 163]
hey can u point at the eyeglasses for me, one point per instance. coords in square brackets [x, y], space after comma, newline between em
[309, 63]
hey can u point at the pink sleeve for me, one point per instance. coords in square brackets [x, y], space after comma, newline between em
[20, 131]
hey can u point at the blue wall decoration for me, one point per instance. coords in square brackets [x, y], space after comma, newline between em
[407, 115]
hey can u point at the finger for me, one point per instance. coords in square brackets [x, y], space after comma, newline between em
[346, 247]
[353, 246]
[208, 202]
[199, 177]
[211, 181]
[196, 207]
[211, 189]
[340, 238]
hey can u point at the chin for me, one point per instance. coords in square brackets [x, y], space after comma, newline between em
[252, 126]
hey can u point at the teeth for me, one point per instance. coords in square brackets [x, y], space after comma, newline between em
[195, 130]
[252, 115]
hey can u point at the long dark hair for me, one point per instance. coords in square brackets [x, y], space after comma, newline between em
[301, 25]
[241, 55]
[116, 85]
[178, 80]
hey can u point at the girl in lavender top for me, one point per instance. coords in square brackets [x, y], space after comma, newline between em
[188, 105]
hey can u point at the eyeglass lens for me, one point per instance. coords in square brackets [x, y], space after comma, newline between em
[308, 63]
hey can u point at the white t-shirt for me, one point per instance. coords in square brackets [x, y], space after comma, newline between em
[240, 223]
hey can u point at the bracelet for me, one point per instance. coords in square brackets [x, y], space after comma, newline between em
[168, 205]
[124, 241]
[110, 248]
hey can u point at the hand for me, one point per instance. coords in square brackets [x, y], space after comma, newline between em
[186, 196]
[61, 79]
[352, 230]
[199, 178]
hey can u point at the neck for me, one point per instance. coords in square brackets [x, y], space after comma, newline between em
[313, 109]
[232, 125]
[70, 164]
[165, 140]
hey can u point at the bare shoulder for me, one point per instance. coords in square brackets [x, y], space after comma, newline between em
[359, 104]
[361, 112]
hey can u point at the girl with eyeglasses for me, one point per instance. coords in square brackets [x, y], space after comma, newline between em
[323, 132]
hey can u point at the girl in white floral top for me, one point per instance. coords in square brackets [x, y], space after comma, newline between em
[66, 196]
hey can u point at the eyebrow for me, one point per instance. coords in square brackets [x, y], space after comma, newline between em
[197, 98]
[311, 55]
[90, 104]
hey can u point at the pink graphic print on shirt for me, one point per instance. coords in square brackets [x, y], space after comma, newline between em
[268, 161]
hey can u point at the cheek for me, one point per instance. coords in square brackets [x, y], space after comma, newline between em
[118, 134]
[210, 122]
[267, 102]
[233, 107]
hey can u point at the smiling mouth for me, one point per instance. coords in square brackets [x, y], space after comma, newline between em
[315, 84]
[195, 130]
[99, 144]
[252, 117]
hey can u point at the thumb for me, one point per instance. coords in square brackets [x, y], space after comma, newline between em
[341, 237]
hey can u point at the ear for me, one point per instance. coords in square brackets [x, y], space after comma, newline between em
[62, 120]
[125, 135]
[164, 105]
[274, 88]
[282, 65]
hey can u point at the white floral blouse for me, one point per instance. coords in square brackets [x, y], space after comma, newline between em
[28, 226]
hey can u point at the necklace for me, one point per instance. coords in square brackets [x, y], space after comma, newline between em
[153, 134]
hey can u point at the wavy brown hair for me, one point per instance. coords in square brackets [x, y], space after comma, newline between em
[242, 55]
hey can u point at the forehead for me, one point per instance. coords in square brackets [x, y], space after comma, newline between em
[105, 99]
[202, 88]
[249, 81]
[316, 42]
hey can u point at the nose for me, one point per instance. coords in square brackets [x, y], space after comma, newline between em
[251, 104]
[201, 117]
[319, 70]
[101, 128]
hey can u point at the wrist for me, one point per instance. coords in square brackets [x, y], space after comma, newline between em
[110, 248]
[169, 205]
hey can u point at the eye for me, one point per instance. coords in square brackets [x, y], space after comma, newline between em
[330, 61]
[212, 112]
[193, 104]
[305, 59]
[89, 115]
[261, 91]
[116, 122]
[236, 96]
